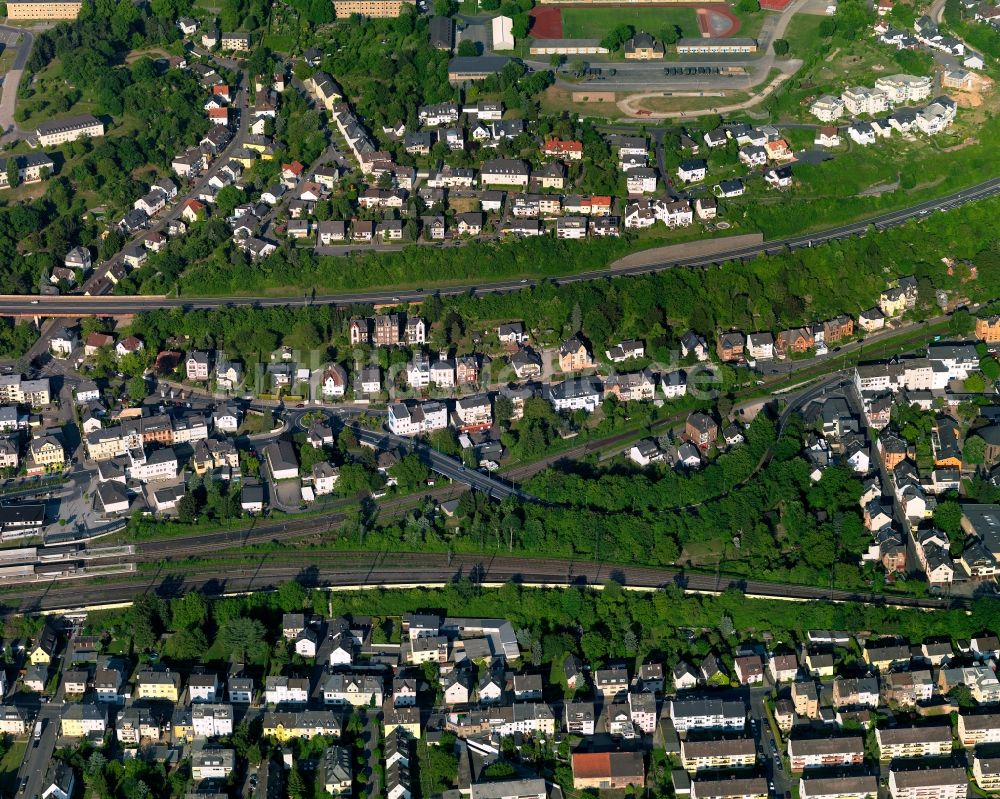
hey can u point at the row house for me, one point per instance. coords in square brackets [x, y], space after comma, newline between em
[980, 680]
[908, 688]
[408, 419]
[388, 330]
[634, 387]
[855, 692]
[304, 724]
[212, 720]
[282, 690]
[358, 690]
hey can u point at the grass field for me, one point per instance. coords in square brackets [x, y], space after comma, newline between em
[595, 23]
[10, 764]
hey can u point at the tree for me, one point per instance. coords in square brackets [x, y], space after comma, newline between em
[189, 644]
[748, 6]
[242, 638]
[13, 173]
[974, 451]
[556, 60]
[189, 612]
[145, 618]
[503, 409]
[410, 471]
[961, 322]
[781, 47]
[975, 383]
[291, 596]
[137, 389]
[990, 368]
[187, 509]
[670, 34]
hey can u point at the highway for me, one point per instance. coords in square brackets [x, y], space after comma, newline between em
[348, 569]
[28, 305]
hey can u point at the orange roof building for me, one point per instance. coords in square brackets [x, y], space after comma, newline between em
[608, 770]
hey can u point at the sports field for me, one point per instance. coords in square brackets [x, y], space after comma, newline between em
[595, 23]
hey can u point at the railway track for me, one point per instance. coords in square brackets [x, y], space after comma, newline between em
[352, 569]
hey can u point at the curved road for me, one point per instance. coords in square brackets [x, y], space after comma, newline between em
[28, 305]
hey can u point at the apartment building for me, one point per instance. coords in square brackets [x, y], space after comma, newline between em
[212, 720]
[903, 742]
[81, 719]
[31, 168]
[840, 750]
[975, 729]
[718, 753]
[358, 690]
[986, 770]
[526, 718]
[281, 690]
[43, 9]
[729, 788]
[611, 683]
[212, 764]
[302, 724]
[805, 697]
[855, 692]
[707, 714]
[928, 783]
[373, 9]
[158, 684]
[862, 100]
[841, 787]
[579, 718]
[68, 129]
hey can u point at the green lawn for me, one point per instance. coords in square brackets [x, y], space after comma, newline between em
[10, 764]
[595, 23]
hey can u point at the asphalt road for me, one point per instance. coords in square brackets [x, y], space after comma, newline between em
[17, 305]
[444, 464]
[8, 100]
